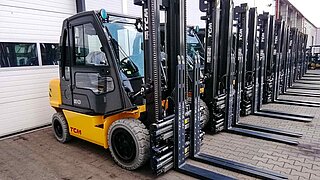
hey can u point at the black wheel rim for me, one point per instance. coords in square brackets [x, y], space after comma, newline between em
[57, 128]
[123, 145]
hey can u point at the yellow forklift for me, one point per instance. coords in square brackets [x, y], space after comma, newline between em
[93, 98]
[103, 96]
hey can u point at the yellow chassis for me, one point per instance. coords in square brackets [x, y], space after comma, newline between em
[90, 128]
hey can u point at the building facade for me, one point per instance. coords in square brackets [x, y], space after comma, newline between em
[286, 11]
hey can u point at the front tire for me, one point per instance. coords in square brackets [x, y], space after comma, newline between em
[129, 143]
[60, 127]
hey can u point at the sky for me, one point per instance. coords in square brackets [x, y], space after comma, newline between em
[310, 9]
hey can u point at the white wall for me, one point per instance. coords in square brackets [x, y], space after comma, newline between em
[262, 5]
[114, 6]
[33, 21]
[318, 36]
[311, 31]
[194, 14]
[24, 101]
[132, 9]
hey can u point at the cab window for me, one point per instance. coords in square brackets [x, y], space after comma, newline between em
[88, 48]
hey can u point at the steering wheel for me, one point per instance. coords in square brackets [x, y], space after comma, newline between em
[125, 58]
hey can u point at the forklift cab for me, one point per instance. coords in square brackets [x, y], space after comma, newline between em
[89, 72]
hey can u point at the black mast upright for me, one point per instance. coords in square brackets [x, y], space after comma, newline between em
[212, 18]
[260, 70]
[240, 48]
[248, 92]
[278, 33]
[269, 69]
[152, 76]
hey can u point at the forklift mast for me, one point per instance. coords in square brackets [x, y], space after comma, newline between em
[305, 60]
[250, 92]
[278, 33]
[227, 56]
[285, 58]
[301, 59]
[270, 64]
[293, 42]
[212, 19]
[212, 34]
[153, 93]
[262, 49]
[240, 19]
[218, 63]
[244, 84]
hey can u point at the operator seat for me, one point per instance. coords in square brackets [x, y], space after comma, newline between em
[96, 58]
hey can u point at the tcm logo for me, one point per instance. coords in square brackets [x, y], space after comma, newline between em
[146, 26]
[75, 130]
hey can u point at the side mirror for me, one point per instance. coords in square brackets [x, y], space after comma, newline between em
[138, 25]
[197, 29]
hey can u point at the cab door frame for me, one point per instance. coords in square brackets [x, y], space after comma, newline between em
[102, 103]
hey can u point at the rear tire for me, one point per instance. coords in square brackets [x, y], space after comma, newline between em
[204, 114]
[129, 143]
[60, 127]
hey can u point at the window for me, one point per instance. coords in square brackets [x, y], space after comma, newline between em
[18, 54]
[49, 53]
[65, 56]
[88, 48]
[128, 44]
[94, 82]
